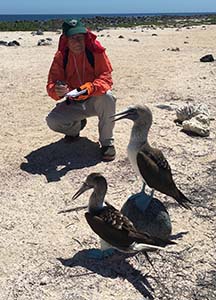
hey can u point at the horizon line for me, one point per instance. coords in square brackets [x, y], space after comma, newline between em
[111, 13]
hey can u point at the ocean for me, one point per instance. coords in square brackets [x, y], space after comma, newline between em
[40, 17]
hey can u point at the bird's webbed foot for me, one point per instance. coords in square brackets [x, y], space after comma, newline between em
[142, 199]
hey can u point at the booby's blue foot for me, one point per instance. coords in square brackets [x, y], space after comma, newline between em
[142, 199]
[99, 254]
[141, 194]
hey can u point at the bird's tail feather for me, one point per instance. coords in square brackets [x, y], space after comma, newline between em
[167, 243]
[140, 247]
[183, 200]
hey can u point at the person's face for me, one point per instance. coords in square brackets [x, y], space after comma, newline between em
[76, 43]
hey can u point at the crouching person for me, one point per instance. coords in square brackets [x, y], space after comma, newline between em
[81, 63]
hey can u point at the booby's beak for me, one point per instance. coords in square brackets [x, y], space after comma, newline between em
[83, 188]
[130, 113]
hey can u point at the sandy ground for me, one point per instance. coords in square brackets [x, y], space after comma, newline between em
[43, 253]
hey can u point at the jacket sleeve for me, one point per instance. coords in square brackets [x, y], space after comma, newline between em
[56, 72]
[103, 69]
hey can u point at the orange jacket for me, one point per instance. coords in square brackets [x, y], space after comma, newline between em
[100, 76]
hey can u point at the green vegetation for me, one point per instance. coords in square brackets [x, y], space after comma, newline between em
[50, 25]
[100, 22]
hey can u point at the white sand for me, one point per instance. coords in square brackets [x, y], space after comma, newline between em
[33, 236]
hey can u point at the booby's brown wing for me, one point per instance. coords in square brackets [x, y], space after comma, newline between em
[154, 168]
[156, 171]
[157, 157]
[116, 229]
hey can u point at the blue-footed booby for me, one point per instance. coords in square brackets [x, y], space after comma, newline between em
[115, 229]
[149, 162]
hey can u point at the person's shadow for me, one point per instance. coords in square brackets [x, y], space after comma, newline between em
[56, 159]
[112, 268]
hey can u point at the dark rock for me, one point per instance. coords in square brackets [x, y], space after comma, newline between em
[99, 29]
[3, 43]
[207, 58]
[121, 37]
[16, 43]
[39, 32]
[173, 49]
[11, 44]
[43, 42]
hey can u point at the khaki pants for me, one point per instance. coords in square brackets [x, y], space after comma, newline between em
[66, 118]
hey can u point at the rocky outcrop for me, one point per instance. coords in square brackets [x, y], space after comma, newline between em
[11, 43]
[199, 124]
[188, 111]
[195, 118]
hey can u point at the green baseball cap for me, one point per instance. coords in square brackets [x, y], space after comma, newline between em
[74, 26]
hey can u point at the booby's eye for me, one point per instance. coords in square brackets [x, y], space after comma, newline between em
[133, 110]
[88, 185]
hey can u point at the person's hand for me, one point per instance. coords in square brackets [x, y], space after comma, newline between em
[61, 88]
[89, 87]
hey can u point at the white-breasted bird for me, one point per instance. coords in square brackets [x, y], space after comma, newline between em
[110, 224]
[149, 162]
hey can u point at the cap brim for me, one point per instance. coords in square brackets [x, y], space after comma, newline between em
[76, 30]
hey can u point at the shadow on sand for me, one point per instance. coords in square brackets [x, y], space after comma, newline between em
[112, 267]
[56, 159]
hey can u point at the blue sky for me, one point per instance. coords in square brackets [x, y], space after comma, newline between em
[109, 6]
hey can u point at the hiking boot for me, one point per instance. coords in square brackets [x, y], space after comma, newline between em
[108, 153]
[68, 139]
[83, 124]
